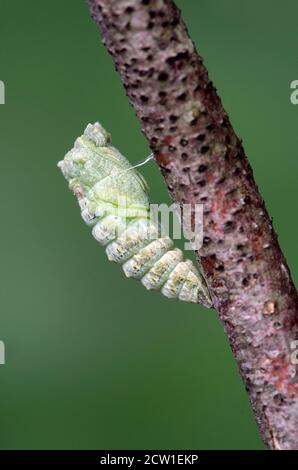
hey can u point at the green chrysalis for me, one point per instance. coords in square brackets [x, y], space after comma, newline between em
[113, 198]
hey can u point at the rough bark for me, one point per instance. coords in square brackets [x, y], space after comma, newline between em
[203, 161]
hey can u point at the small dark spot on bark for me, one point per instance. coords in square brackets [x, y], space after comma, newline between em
[129, 10]
[228, 139]
[245, 282]
[150, 25]
[237, 212]
[220, 268]
[209, 86]
[181, 97]
[237, 171]
[163, 76]
[194, 122]
[278, 399]
[202, 168]
[225, 122]
[204, 199]
[221, 180]
[173, 129]
[247, 200]
[183, 142]
[178, 57]
[231, 192]
[145, 2]
[201, 183]
[206, 240]
[239, 246]
[144, 98]
[184, 156]
[205, 149]
[229, 226]
[173, 118]
[171, 148]
[152, 14]
[186, 169]
[165, 169]
[249, 176]
[201, 137]
[210, 127]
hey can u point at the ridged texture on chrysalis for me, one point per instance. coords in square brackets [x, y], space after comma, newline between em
[114, 200]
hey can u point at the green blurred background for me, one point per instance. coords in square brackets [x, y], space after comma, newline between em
[94, 361]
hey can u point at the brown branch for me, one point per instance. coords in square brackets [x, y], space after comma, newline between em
[203, 161]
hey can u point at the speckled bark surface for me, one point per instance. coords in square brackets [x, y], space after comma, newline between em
[203, 161]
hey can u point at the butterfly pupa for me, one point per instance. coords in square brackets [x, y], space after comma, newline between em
[113, 199]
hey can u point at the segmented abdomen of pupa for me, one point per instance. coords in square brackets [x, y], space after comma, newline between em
[114, 200]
